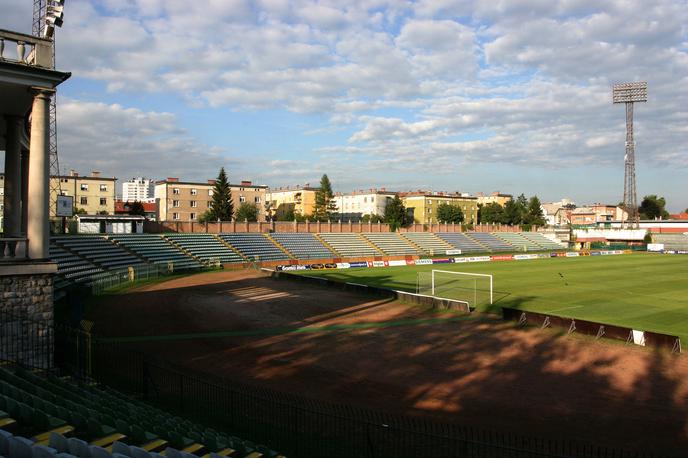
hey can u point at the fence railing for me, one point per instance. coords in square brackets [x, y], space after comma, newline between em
[30, 50]
[132, 274]
[26, 341]
[301, 427]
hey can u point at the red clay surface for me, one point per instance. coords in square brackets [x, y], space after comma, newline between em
[481, 372]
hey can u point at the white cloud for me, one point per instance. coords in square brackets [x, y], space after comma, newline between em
[130, 142]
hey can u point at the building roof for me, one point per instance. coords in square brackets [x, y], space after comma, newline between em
[122, 207]
[175, 181]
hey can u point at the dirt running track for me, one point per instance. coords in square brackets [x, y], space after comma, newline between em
[481, 372]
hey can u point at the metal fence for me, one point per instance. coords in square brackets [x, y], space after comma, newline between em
[301, 427]
[26, 341]
[133, 274]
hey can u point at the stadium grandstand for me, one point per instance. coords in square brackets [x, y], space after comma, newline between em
[84, 259]
[672, 241]
[56, 417]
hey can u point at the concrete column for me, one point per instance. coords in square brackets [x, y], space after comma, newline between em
[38, 230]
[13, 178]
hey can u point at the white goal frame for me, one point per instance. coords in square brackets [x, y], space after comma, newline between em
[468, 274]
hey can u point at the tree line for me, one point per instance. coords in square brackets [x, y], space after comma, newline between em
[521, 211]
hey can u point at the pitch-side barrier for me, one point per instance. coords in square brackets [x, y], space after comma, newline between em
[591, 328]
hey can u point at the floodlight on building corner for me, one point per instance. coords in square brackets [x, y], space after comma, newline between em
[54, 16]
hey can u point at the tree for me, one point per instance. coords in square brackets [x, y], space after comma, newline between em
[222, 207]
[395, 214]
[534, 213]
[247, 212]
[492, 213]
[136, 208]
[372, 219]
[325, 206]
[513, 213]
[447, 213]
[653, 207]
[206, 217]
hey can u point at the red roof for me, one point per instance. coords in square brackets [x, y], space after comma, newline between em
[123, 207]
[679, 216]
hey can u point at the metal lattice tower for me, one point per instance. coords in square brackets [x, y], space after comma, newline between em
[40, 8]
[629, 93]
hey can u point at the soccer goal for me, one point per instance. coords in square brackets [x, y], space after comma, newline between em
[474, 289]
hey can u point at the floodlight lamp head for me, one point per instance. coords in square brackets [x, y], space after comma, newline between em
[629, 92]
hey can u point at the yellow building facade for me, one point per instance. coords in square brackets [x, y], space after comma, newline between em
[494, 198]
[423, 206]
[300, 200]
[93, 194]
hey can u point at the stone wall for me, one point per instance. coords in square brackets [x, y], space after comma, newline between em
[26, 319]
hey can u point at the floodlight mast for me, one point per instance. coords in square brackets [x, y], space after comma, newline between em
[48, 14]
[630, 93]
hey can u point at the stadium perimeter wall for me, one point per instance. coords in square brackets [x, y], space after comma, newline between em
[157, 227]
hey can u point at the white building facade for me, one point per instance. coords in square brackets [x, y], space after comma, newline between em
[355, 205]
[138, 189]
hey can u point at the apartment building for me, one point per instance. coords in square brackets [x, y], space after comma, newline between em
[94, 194]
[423, 205]
[138, 189]
[300, 200]
[357, 204]
[186, 201]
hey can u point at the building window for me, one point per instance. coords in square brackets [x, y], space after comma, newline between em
[193, 191]
[103, 187]
[193, 204]
[175, 215]
[257, 199]
[175, 191]
[103, 201]
[429, 210]
[83, 200]
[175, 203]
[242, 199]
[84, 187]
[210, 192]
[192, 216]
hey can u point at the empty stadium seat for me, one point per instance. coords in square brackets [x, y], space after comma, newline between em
[255, 247]
[156, 250]
[205, 247]
[302, 245]
[461, 242]
[428, 242]
[349, 244]
[491, 242]
[391, 243]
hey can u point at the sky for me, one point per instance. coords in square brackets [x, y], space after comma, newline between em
[446, 95]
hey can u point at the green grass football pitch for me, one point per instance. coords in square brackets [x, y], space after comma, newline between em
[642, 291]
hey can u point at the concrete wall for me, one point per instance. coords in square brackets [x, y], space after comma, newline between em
[26, 319]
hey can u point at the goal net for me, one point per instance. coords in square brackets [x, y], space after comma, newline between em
[474, 289]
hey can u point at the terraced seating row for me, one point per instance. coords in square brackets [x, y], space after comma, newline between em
[112, 423]
[156, 250]
[255, 247]
[672, 241]
[349, 244]
[99, 251]
[543, 241]
[428, 242]
[491, 242]
[462, 242]
[72, 267]
[391, 243]
[518, 241]
[205, 247]
[302, 245]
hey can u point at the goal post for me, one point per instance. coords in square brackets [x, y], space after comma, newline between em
[475, 289]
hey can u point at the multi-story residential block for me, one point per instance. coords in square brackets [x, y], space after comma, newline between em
[93, 194]
[422, 205]
[138, 189]
[300, 200]
[357, 204]
[187, 201]
[494, 198]
[597, 213]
